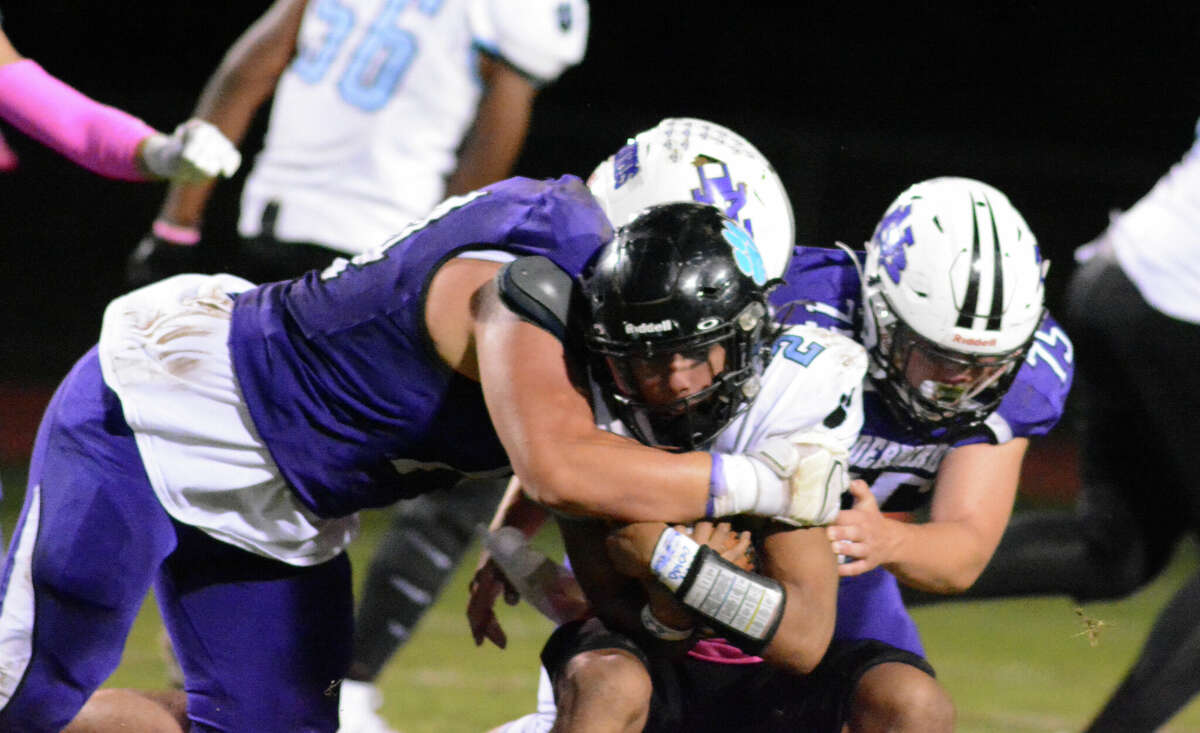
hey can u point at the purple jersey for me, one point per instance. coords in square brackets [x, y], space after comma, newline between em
[337, 369]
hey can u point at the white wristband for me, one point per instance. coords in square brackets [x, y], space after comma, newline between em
[659, 630]
[673, 557]
[752, 486]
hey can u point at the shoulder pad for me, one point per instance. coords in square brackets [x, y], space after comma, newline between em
[538, 290]
[540, 38]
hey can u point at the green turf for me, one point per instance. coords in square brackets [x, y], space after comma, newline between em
[1020, 665]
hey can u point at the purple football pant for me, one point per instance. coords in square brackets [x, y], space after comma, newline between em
[869, 607]
[262, 644]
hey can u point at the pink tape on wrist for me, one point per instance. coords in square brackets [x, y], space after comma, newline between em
[100, 138]
[174, 233]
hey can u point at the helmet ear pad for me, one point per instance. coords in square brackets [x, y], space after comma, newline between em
[952, 272]
[678, 279]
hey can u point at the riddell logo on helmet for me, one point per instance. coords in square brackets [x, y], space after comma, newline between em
[973, 342]
[639, 329]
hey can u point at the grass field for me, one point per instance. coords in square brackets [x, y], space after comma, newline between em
[1010, 665]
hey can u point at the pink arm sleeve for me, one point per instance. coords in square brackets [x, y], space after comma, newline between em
[100, 138]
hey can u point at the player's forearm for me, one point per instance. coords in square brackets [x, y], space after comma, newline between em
[937, 557]
[100, 138]
[804, 564]
[607, 476]
[804, 633]
[234, 94]
[498, 133]
[518, 510]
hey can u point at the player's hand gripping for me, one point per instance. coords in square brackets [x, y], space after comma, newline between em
[195, 152]
[486, 586]
[631, 546]
[862, 534]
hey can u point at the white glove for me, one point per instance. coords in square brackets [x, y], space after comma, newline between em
[195, 152]
[817, 480]
[798, 480]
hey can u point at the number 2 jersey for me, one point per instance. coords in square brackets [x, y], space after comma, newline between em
[823, 288]
[367, 120]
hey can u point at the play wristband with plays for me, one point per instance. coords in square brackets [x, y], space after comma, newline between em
[746, 606]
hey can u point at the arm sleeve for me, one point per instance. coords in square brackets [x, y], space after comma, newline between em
[539, 38]
[100, 138]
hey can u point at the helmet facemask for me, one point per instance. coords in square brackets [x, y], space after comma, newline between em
[931, 388]
[734, 352]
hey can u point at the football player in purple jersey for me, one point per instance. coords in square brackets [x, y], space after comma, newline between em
[966, 367]
[219, 439]
[1134, 310]
[100, 138]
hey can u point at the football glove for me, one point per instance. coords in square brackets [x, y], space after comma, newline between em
[195, 152]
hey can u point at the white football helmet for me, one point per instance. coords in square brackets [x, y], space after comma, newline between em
[683, 160]
[952, 294]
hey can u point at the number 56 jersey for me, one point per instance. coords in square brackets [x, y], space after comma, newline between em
[367, 120]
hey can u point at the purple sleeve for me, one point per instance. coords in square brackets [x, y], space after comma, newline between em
[1035, 402]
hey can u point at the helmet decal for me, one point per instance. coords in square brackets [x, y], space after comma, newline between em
[745, 253]
[892, 240]
[732, 195]
[625, 164]
[696, 161]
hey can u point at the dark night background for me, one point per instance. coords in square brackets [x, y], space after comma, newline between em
[1071, 113]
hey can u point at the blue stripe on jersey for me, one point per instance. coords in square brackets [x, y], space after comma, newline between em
[339, 375]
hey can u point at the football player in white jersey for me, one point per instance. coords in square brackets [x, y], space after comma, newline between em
[674, 330]
[964, 368]
[656, 377]
[381, 109]
[100, 138]
[1133, 307]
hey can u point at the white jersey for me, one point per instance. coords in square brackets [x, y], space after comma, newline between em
[367, 120]
[811, 392]
[1157, 241]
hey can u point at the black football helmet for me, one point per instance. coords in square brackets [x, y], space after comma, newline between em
[676, 280]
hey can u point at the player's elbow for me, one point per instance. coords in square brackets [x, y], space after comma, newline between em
[950, 580]
[965, 577]
[547, 479]
[798, 653]
[800, 642]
